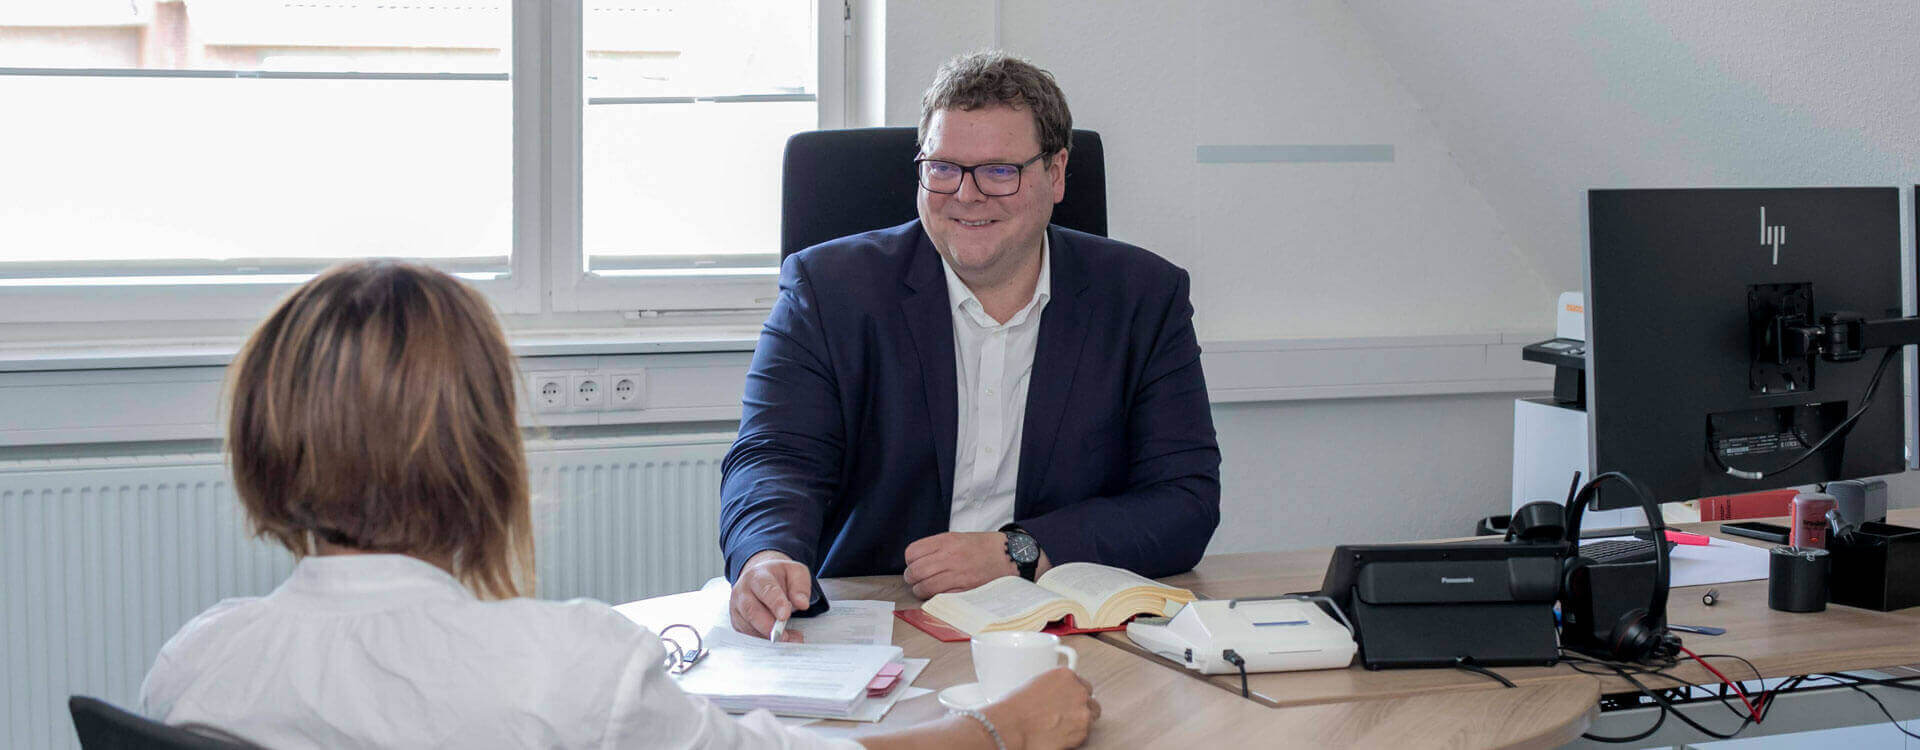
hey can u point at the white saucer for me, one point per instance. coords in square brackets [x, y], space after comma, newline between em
[963, 696]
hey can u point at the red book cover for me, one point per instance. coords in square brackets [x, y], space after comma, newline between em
[1750, 505]
[945, 633]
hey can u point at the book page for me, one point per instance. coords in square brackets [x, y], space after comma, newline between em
[1002, 599]
[1092, 584]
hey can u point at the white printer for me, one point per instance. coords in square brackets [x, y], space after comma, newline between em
[1270, 635]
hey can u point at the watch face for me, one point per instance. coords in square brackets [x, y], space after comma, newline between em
[1021, 548]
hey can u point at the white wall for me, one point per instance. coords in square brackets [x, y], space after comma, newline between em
[1540, 101]
[1277, 250]
[1319, 473]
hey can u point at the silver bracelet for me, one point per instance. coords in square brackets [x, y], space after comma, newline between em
[982, 718]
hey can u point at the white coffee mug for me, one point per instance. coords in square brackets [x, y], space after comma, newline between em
[1005, 660]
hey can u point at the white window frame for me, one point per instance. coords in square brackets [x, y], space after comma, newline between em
[576, 289]
[547, 269]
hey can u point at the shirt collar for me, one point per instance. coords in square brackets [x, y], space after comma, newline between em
[367, 582]
[962, 299]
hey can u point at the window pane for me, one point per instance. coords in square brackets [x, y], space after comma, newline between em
[689, 105]
[238, 136]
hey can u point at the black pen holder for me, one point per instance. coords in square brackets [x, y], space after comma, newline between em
[1876, 567]
[1797, 579]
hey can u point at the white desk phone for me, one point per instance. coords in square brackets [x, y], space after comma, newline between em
[1269, 635]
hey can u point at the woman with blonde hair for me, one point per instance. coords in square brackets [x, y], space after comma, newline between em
[372, 433]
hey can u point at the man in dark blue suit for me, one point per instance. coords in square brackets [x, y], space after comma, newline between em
[973, 394]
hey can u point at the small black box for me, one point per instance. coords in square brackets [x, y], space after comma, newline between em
[1876, 567]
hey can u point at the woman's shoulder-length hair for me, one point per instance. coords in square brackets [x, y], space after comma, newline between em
[374, 409]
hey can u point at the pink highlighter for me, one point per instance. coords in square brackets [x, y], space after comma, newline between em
[1809, 525]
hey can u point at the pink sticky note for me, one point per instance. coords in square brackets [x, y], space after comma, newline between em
[884, 679]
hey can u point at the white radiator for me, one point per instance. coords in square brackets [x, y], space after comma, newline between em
[620, 521]
[101, 560]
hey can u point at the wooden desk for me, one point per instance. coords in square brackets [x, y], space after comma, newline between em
[1779, 643]
[1148, 704]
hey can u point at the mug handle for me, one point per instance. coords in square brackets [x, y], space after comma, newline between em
[1067, 651]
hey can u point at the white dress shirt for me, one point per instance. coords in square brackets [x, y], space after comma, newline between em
[994, 361]
[390, 651]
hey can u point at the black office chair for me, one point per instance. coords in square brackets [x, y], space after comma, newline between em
[102, 726]
[841, 182]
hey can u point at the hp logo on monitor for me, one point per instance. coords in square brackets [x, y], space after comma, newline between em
[1774, 236]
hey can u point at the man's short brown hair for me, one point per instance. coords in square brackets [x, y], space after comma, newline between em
[994, 78]
[374, 409]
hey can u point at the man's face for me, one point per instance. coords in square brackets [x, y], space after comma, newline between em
[986, 237]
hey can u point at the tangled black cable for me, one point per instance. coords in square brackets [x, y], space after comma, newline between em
[1627, 672]
[1762, 705]
[1856, 687]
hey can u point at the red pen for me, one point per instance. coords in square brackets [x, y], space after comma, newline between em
[1677, 537]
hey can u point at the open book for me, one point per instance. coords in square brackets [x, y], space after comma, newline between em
[1095, 596]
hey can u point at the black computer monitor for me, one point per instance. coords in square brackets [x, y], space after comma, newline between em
[1698, 304]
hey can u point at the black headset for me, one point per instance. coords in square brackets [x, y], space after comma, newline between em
[1638, 634]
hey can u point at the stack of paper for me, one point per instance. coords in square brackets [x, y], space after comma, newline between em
[848, 667]
[742, 673]
[847, 621]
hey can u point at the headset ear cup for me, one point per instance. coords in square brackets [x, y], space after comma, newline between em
[1632, 638]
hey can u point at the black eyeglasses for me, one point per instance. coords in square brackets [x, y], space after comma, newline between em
[679, 659]
[995, 180]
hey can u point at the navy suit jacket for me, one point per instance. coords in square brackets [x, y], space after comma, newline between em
[846, 447]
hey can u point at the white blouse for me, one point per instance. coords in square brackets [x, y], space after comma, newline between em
[390, 651]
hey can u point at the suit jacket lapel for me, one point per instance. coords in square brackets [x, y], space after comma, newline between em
[1063, 331]
[930, 321]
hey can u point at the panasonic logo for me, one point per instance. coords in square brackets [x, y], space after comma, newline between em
[1444, 579]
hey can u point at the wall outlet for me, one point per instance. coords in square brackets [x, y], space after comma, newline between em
[548, 391]
[589, 392]
[627, 390]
